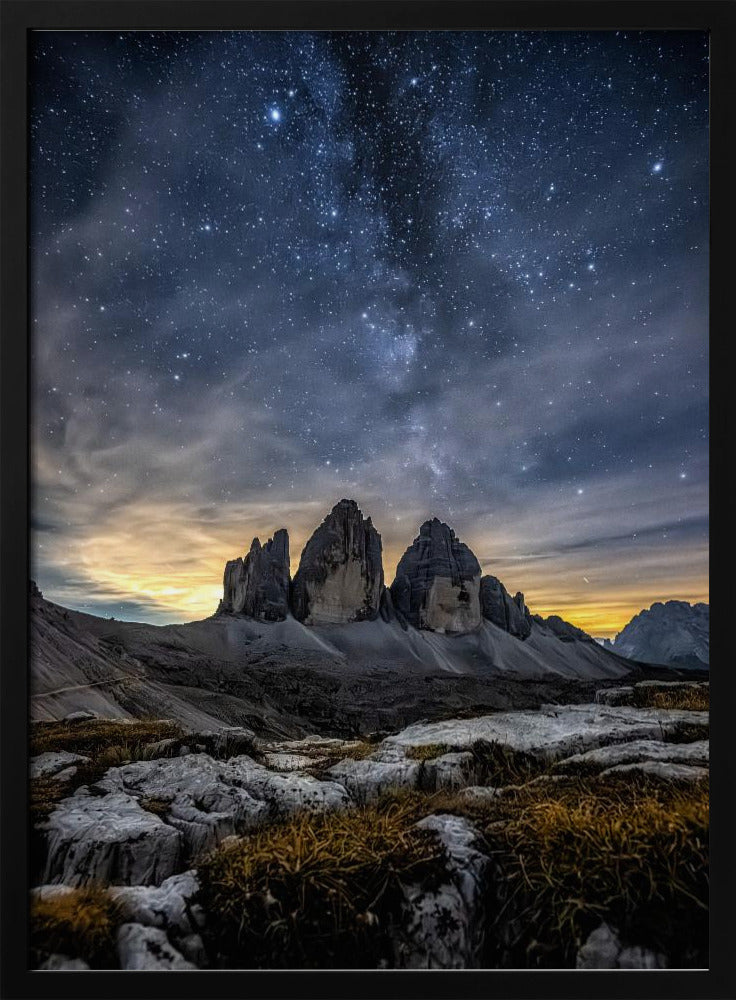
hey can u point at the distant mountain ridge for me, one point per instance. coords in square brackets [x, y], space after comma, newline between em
[330, 649]
[439, 586]
[673, 633]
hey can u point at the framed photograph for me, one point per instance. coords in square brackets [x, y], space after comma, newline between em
[365, 420]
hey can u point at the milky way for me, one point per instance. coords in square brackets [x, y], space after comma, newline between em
[451, 274]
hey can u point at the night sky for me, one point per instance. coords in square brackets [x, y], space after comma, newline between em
[451, 274]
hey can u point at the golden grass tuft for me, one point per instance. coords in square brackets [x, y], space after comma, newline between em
[687, 699]
[500, 765]
[95, 736]
[44, 794]
[78, 924]
[316, 891]
[427, 751]
[631, 852]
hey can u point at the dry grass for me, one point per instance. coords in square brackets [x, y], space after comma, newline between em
[160, 807]
[316, 891]
[632, 852]
[330, 755]
[427, 751]
[500, 765]
[44, 794]
[687, 698]
[97, 736]
[79, 924]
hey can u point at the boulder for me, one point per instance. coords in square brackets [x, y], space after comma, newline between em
[62, 963]
[147, 949]
[510, 614]
[56, 764]
[340, 575]
[258, 585]
[368, 778]
[108, 839]
[438, 582]
[450, 771]
[603, 950]
[170, 906]
[81, 716]
[444, 926]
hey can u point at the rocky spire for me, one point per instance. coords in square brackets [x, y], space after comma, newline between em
[340, 575]
[258, 585]
[510, 614]
[437, 582]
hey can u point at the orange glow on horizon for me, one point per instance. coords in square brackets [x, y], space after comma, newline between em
[171, 568]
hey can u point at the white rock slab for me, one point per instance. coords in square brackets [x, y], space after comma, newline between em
[147, 949]
[56, 764]
[169, 906]
[108, 839]
[368, 778]
[661, 769]
[554, 731]
[208, 800]
[638, 751]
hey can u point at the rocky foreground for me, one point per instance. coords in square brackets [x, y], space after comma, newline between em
[571, 836]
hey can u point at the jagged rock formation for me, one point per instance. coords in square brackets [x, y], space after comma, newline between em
[510, 614]
[674, 633]
[258, 586]
[340, 575]
[438, 582]
[563, 630]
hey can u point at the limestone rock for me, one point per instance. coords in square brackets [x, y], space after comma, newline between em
[555, 731]
[340, 575]
[62, 963]
[444, 927]
[209, 800]
[664, 769]
[450, 771]
[510, 614]
[638, 752]
[603, 950]
[147, 949]
[81, 716]
[56, 764]
[368, 778]
[258, 585]
[170, 906]
[438, 581]
[108, 839]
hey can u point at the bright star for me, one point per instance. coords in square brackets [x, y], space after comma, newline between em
[657, 167]
[275, 115]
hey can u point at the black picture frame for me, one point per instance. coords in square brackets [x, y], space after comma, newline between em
[19, 17]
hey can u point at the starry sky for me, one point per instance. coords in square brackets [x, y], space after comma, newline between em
[447, 274]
